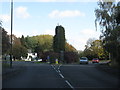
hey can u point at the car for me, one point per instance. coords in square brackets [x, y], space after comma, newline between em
[95, 60]
[83, 60]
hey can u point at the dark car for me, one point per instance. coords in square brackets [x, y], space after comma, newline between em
[95, 60]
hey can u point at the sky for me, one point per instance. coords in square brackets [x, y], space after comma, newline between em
[41, 17]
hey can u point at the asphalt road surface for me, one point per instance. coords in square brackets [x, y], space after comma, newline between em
[62, 76]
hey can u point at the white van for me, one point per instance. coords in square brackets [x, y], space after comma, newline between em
[83, 60]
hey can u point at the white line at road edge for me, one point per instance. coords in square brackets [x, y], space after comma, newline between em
[69, 84]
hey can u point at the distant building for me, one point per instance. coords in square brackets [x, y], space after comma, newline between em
[31, 56]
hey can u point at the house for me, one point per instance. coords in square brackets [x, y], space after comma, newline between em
[30, 57]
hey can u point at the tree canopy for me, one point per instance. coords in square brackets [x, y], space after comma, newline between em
[18, 50]
[108, 17]
[5, 41]
[59, 39]
[41, 44]
[94, 49]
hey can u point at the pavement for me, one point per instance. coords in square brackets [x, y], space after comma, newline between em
[36, 76]
[17, 67]
[115, 71]
[68, 76]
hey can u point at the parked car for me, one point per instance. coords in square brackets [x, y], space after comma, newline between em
[83, 60]
[95, 60]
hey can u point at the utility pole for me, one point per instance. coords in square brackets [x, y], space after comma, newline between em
[11, 32]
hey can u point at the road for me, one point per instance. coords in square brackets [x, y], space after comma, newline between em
[61, 76]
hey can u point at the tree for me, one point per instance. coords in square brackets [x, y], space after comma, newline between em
[44, 42]
[5, 41]
[0, 23]
[59, 39]
[38, 50]
[69, 48]
[18, 49]
[53, 56]
[27, 42]
[39, 44]
[23, 42]
[107, 16]
[94, 49]
[71, 57]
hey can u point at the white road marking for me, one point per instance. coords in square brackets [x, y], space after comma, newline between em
[61, 75]
[69, 84]
[53, 67]
[56, 71]
[59, 66]
[59, 71]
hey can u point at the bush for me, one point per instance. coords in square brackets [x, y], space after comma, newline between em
[71, 57]
[52, 56]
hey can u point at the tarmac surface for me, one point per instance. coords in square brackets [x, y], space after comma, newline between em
[71, 76]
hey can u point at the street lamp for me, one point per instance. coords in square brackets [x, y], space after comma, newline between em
[11, 32]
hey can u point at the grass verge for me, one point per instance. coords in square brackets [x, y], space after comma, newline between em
[108, 69]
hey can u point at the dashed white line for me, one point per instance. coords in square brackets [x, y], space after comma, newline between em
[56, 71]
[61, 75]
[53, 67]
[59, 71]
[69, 84]
[59, 66]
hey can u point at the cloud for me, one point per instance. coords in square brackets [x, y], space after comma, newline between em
[66, 13]
[50, 32]
[65, 0]
[87, 32]
[79, 40]
[22, 12]
[5, 17]
[33, 32]
[46, 0]
[56, 0]
[59, 0]
[17, 33]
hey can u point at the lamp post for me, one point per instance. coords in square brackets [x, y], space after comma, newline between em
[11, 32]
